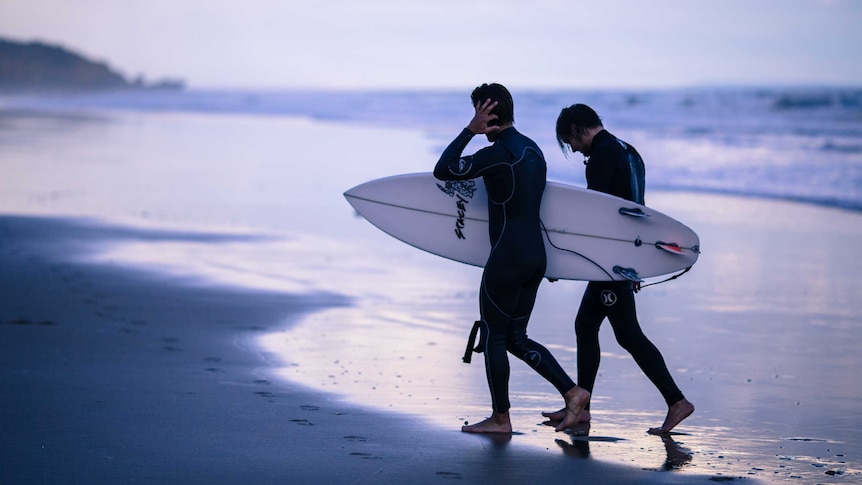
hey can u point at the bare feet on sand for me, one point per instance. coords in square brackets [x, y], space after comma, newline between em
[497, 423]
[561, 414]
[576, 398]
[675, 414]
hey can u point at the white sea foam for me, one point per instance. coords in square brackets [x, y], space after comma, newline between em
[801, 144]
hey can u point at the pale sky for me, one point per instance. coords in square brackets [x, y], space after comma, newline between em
[456, 43]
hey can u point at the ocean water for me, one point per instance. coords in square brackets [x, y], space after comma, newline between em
[802, 144]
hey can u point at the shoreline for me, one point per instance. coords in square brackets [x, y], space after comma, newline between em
[432, 112]
[728, 346]
[113, 375]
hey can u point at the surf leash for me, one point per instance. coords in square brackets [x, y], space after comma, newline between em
[471, 341]
[669, 279]
[548, 237]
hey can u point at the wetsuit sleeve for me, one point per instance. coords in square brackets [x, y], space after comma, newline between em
[453, 166]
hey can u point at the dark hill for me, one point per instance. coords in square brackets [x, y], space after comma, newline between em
[37, 66]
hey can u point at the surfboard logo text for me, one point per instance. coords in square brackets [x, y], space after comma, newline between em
[461, 190]
[464, 187]
[461, 204]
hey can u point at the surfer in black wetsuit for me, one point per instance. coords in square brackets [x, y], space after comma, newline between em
[514, 171]
[614, 167]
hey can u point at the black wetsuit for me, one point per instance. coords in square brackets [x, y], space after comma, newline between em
[514, 172]
[616, 168]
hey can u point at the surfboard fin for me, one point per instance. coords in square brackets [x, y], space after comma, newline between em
[672, 248]
[633, 211]
[627, 273]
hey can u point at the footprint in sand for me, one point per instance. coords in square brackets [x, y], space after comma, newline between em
[302, 422]
[213, 360]
[365, 456]
[171, 348]
[24, 321]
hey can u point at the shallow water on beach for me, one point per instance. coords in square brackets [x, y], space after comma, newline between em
[762, 335]
[770, 360]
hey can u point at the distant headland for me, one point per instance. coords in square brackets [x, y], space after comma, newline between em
[40, 67]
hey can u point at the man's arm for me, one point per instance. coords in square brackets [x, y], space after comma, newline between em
[452, 166]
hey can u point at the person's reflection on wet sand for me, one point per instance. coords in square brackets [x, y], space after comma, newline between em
[578, 448]
[677, 456]
[580, 445]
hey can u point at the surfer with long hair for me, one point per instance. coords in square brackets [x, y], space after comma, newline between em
[613, 167]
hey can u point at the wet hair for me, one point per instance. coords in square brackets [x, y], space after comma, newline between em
[505, 109]
[582, 117]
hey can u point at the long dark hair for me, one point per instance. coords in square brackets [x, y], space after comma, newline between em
[581, 116]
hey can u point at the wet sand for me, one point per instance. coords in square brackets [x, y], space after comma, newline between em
[760, 335]
[113, 375]
[204, 324]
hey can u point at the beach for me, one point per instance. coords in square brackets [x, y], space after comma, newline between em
[187, 298]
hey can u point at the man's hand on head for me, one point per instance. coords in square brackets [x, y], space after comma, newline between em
[480, 124]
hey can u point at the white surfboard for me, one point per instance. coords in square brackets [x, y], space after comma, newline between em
[589, 235]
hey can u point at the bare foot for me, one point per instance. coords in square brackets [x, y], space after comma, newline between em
[675, 414]
[576, 398]
[561, 414]
[497, 423]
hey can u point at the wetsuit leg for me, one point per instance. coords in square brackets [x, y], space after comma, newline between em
[507, 297]
[623, 317]
[530, 351]
[590, 316]
[495, 327]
